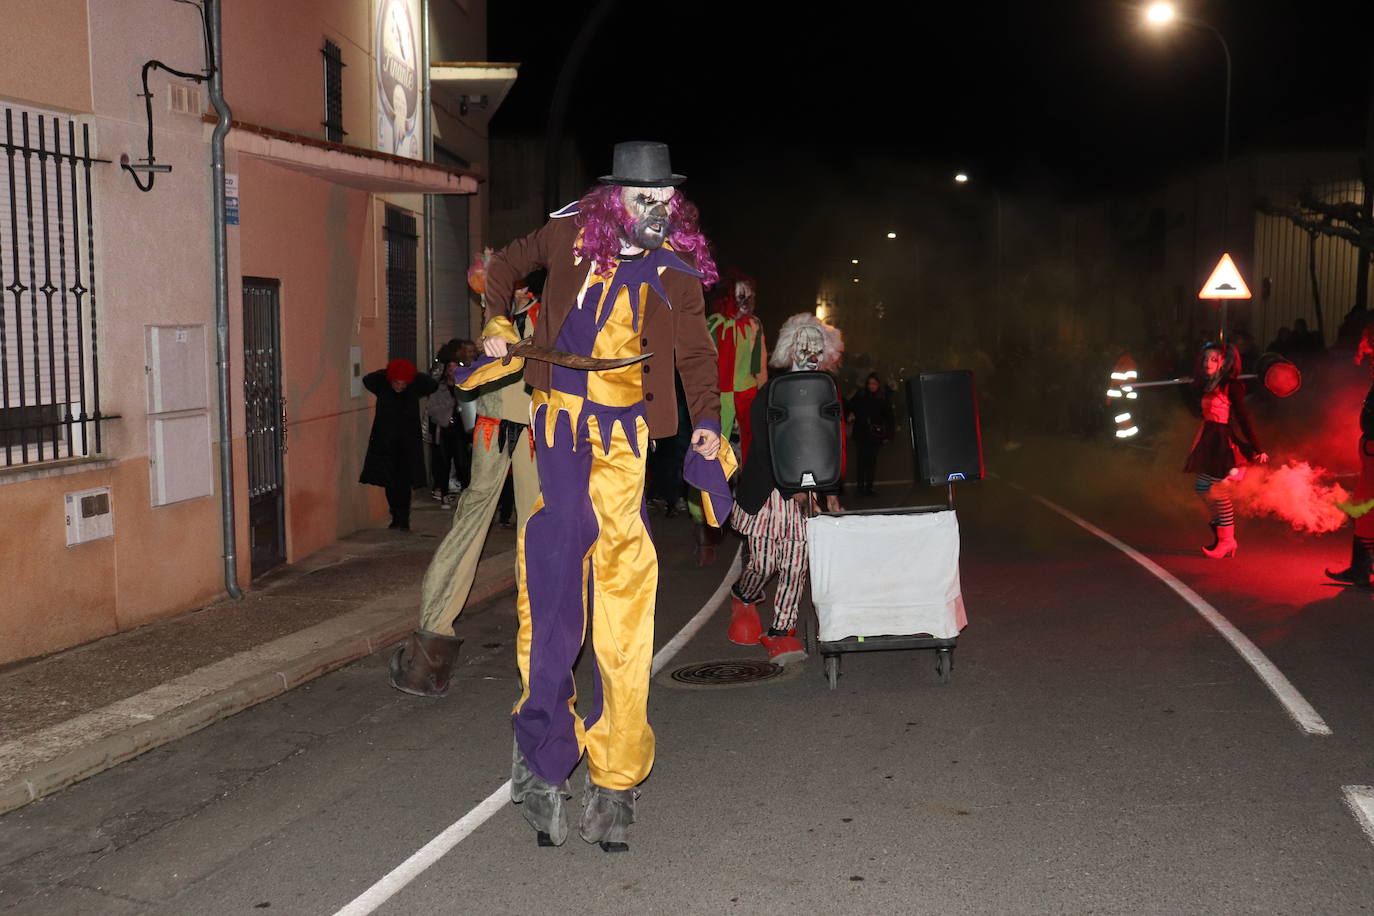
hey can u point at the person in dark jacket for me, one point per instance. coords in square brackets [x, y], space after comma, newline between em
[450, 461]
[394, 458]
[441, 463]
[870, 410]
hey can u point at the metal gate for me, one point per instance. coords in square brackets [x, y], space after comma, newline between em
[401, 288]
[265, 421]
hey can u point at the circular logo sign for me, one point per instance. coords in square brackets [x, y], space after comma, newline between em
[398, 78]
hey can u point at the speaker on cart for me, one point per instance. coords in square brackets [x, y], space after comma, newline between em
[944, 427]
[805, 430]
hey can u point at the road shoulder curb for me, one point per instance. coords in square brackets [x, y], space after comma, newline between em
[266, 672]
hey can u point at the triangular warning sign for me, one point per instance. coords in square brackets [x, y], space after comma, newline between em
[1225, 282]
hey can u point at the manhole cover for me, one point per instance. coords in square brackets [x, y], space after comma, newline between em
[728, 672]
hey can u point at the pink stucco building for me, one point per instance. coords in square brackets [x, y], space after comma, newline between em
[353, 166]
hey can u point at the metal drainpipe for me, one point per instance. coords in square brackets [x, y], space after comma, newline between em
[427, 150]
[221, 257]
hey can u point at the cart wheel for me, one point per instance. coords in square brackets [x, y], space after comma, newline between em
[832, 670]
[808, 635]
[944, 664]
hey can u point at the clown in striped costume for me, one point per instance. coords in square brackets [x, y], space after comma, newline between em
[775, 522]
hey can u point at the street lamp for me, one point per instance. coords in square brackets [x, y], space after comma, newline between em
[1161, 14]
[963, 179]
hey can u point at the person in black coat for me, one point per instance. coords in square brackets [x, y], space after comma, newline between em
[394, 459]
[870, 409]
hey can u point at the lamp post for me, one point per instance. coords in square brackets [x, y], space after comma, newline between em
[1160, 15]
[962, 178]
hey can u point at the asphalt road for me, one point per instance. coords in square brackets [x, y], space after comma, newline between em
[1100, 749]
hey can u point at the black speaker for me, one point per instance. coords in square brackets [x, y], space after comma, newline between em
[944, 427]
[805, 430]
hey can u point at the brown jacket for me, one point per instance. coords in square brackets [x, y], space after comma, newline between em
[677, 332]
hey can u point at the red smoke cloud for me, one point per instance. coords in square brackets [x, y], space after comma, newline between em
[1298, 493]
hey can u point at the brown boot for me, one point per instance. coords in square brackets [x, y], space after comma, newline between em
[423, 664]
[707, 539]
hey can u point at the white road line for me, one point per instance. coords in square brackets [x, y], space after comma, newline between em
[1361, 802]
[455, 833]
[428, 854]
[674, 645]
[1301, 711]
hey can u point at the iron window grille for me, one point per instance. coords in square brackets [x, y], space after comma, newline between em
[401, 287]
[49, 340]
[333, 92]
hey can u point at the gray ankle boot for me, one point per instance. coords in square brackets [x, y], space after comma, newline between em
[542, 804]
[607, 816]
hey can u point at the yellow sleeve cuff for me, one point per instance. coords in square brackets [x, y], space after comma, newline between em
[491, 370]
[501, 326]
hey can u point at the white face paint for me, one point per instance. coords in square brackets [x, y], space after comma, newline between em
[744, 297]
[808, 349]
[648, 210]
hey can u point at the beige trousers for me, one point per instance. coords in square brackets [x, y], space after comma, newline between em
[449, 577]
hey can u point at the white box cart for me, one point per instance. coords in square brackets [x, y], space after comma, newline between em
[886, 579]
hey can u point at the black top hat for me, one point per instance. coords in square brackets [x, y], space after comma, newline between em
[642, 164]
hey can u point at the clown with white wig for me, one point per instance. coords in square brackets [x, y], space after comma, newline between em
[774, 522]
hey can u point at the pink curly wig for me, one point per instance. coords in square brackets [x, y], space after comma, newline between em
[605, 225]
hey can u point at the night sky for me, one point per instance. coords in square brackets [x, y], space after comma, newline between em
[776, 116]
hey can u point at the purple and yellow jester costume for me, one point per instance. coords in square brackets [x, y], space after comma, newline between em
[586, 549]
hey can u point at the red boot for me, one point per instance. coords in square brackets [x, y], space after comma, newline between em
[784, 650]
[1226, 543]
[745, 628]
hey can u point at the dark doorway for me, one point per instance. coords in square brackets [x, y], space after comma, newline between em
[265, 419]
[401, 288]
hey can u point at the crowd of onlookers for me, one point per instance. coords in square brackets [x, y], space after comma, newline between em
[1061, 389]
[1022, 391]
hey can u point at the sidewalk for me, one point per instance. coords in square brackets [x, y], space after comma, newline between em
[70, 715]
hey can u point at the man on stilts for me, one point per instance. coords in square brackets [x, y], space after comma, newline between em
[626, 267]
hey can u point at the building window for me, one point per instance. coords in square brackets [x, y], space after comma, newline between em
[401, 288]
[49, 340]
[333, 92]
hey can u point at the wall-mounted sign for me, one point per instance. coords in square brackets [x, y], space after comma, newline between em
[231, 199]
[397, 52]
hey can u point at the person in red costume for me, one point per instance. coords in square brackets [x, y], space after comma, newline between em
[1218, 455]
[741, 353]
[1362, 500]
